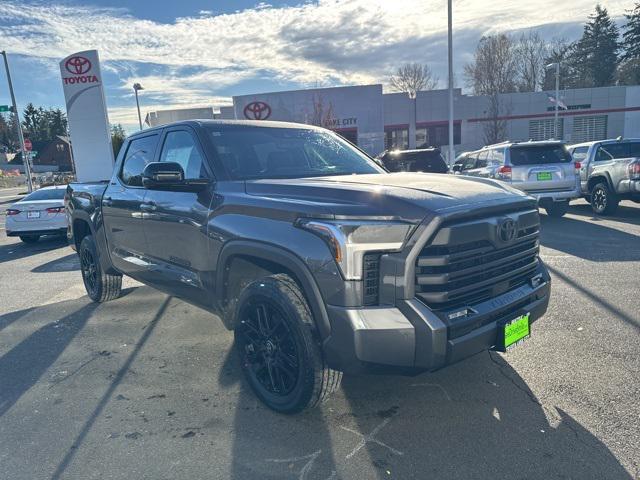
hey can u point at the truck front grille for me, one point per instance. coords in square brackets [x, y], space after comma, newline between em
[465, 264]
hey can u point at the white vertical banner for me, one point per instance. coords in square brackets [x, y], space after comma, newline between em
[87, 116]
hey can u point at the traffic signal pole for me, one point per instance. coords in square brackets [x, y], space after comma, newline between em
[25, 155]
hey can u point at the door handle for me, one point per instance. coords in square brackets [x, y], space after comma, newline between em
[107, 201]
[148, 207]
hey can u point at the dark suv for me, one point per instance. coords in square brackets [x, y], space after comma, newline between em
[427, 160]
[318, 259]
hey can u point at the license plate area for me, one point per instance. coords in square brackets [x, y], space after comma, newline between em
[513, 332]
[543, 176]
[33, 214]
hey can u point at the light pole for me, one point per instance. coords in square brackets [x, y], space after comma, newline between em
[413, 95]
[25, 154]
[557, 102]
[136, 87]
[450, 48]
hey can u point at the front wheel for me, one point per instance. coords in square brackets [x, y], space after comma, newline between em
[603, 200]
[556, 209]
[100, 286]
[278, 347]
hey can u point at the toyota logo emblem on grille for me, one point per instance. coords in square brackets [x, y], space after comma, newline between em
[507, 230]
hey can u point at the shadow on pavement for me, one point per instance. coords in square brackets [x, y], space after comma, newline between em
[68, 263]
[106, 397]
[616, 312]
[476, 419]
[19, 250]
[24, 364]
[590, 241]
[8, 318]
[626, 214]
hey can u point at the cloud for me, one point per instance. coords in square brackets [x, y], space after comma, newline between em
[328, 42]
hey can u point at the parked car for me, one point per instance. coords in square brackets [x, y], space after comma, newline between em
[318, 259]
[609, 172]
[427, 160]
[543, 170]
[39, 213]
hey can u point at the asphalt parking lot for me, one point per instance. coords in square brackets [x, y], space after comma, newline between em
[147, 386]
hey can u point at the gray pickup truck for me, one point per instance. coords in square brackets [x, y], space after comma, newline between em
[319, 260]
[609, 172]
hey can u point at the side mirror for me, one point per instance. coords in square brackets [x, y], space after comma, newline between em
[457, 168]
[169, 176]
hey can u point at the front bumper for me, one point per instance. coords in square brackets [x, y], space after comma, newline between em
[410, 338]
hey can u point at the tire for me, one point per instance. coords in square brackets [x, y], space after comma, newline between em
[556, 209]
[603, 200]
[278, 347]
[29, 238]
[100, 286]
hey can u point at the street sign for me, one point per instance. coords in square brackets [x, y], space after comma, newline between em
[27, 145]
[5, 108]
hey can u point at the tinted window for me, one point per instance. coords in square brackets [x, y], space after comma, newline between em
[539, 154]
[470, 162]
[180, 147]
[139, 153]
[618, 150]
[430, 161]
[263, 152]
[47, 194]
[579, 153]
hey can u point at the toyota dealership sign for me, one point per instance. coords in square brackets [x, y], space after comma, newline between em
[87, 116]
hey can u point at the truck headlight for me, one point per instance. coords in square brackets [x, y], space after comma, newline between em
[349, 240]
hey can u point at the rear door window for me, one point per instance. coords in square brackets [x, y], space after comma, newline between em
[539, 154]
[612, 151]
[139, 153]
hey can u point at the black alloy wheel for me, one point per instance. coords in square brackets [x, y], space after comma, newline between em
[270, 350]
[89, 271]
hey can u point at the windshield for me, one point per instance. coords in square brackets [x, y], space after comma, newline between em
[48, 194]
[539, 154]
[263, 152]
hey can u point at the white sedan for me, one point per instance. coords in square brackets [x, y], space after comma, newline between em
[39, 213]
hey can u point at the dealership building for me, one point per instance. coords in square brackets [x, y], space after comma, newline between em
[376, 121]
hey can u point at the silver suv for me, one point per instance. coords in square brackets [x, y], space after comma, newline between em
[543, 170]
[609, 172]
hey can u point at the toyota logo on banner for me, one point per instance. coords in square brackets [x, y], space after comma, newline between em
[77, 65]
[257, 111]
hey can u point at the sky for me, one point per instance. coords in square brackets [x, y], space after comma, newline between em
[201, 52]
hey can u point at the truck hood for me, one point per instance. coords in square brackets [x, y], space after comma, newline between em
[408, 196]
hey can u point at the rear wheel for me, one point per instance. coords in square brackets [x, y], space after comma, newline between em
[100, 286]
[29, 238]
[556, 209]
[278, 347]
[603, 200]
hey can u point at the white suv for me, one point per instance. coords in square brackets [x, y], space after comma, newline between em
[544, 170]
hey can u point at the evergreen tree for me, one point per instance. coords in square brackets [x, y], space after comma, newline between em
[631, 35]
[595, 55]
[118, 136]
[629, 68]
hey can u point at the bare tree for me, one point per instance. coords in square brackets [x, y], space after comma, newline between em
[531, 52]
[412, 77]
[493, 72]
